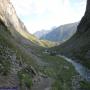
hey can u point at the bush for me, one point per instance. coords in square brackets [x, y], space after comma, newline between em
[4, 67]
[28, 81]
[25, 79]
[85, 85]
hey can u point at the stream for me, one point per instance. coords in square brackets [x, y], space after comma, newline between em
[82, 70]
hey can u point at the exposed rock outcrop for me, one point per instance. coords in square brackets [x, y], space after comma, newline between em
[9, 17]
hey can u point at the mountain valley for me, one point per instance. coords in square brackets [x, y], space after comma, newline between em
[30, 63]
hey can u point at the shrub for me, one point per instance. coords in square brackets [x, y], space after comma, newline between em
[25, 79]
[85, 85]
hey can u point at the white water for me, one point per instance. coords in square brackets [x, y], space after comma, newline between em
[83, 71]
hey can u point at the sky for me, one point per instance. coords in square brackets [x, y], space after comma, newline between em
[46, 14]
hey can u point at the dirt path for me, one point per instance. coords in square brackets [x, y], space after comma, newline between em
[43, 84]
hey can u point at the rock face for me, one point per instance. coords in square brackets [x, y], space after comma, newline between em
[16, 27]
[85, 22]
[78, 47]
[61, 33]
[9, 17]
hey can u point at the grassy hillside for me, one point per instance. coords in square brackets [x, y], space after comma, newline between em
[48, 44]
[63, 73]
[17, 56]
[13, 59]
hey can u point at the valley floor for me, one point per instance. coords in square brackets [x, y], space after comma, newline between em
[42, 84]
[63, 74]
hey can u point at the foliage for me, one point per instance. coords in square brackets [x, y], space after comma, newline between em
[25, 79]
[60, 70]
[85, 85]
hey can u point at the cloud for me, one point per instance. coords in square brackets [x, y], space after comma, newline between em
[44, 14]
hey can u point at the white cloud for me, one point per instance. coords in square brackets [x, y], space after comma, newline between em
[44, 14]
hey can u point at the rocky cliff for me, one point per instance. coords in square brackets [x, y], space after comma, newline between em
[9, 17]
[16, 27]
[85, 22]
[78, 46]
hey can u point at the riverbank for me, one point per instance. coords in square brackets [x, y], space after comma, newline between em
[82, 70]
[63, 72]
[60, 70]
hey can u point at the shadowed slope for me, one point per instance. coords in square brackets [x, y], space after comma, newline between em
[78, 46]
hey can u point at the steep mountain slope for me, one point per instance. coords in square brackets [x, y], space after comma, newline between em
[13, 59]
[78, 46]
[16, 50]
[14, 24]
[61, 33]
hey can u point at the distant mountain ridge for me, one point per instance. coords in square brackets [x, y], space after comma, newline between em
[41, 33]
[58, 34]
